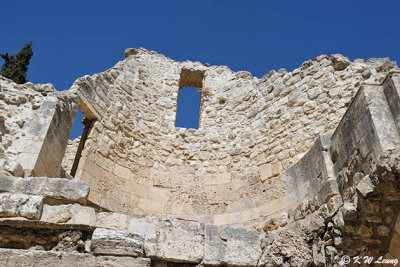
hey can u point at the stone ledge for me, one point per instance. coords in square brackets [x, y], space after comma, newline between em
[13, 205]
[116, 242]
[57, 188]
[22, 257]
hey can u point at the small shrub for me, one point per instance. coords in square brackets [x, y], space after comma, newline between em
[222, 100]
[205, 91]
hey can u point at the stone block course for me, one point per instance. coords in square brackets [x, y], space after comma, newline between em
[20, 205]
[57, 188]
[116, 242]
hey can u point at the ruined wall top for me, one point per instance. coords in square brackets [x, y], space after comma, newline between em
[35, 124]
[310, 159]
[137, 162]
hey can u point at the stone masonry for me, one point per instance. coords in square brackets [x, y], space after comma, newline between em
[291, 169]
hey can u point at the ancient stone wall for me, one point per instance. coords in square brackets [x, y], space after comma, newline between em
[228, 171]
[70, 155]
[342, 197]
[35, 124]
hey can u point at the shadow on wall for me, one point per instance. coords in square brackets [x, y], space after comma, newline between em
[80, 131]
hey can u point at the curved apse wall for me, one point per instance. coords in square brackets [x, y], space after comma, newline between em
[229, 171]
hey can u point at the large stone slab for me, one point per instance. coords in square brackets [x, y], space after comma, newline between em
[111, 220]
[176, 240]
[21, 258]
[66, 189]
[58, 188]
[6, 183]
[111, 261]
[20, 205]
[70, 213]
[116, 242]
[231, 246]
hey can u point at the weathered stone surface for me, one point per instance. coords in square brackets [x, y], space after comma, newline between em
[13, 205]
[69, 156]
[71, 214]
[56, 214]
[116, 242]
[14, 168]
[6, 183]
[111, 261]
[176, 240]
[340, 62]
[111, 220]
[58, 188]
[35, 128]
[65, 189]
[288, 248]
[234, 247]
[19, 257]
[365, 186]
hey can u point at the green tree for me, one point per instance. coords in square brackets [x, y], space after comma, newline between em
[16, 66]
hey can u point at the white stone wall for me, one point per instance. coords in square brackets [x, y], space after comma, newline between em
[70, 153]
[137, 162]
[35, 123]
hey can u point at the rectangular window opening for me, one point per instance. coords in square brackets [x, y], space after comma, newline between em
[188, 110]
[189, 98]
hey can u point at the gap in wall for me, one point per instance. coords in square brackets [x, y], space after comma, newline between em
[77, 126]
[80, 129]
[188, 110]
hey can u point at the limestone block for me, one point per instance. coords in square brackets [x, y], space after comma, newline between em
[116, 242]
[82, 215]
[31, 185]
[265, 171]
[6, 183]
[365, 186]
[216, 178]
[21, 257]
[71, 214]
[176, 240]
[340, 62]
[276, 169]
[111, 220]
[14, 168]
[159, 194]
[56, 214]
[122, 172]
[66, 189]
[112, 261]
[59, 188]
[234, 247]
[145, 226]
[14, 205]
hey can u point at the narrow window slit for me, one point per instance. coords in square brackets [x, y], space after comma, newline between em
[80, 130]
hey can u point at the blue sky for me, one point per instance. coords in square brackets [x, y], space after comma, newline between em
[75, 38]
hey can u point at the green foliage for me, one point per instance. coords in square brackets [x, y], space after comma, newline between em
[222, 100]
[16, 66]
